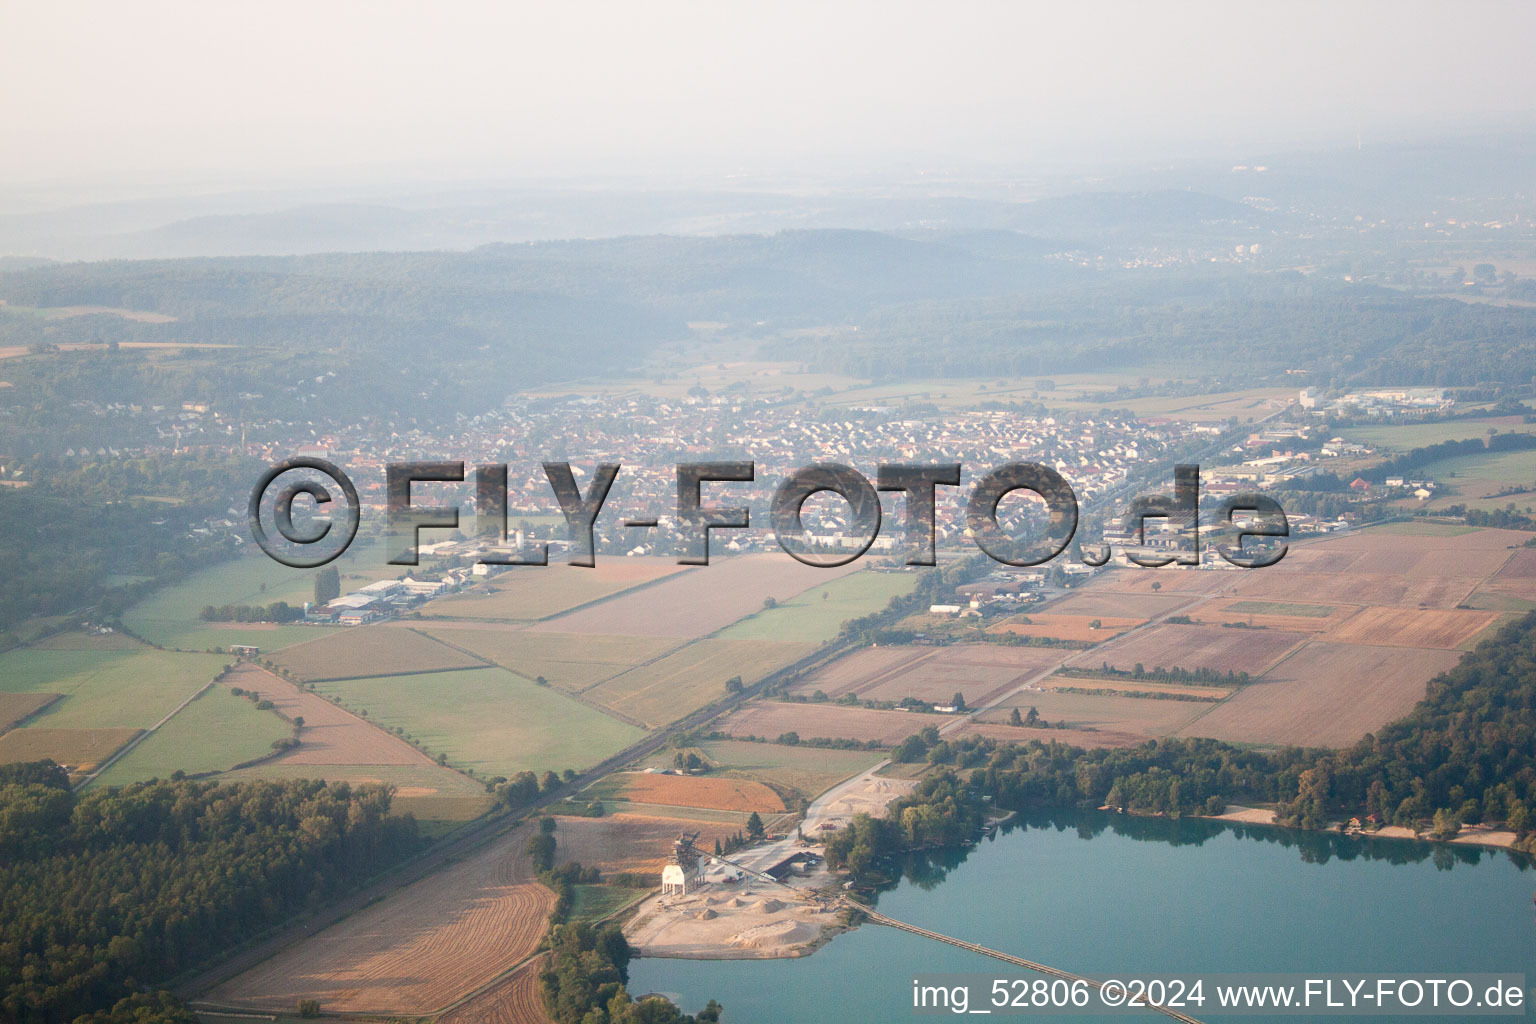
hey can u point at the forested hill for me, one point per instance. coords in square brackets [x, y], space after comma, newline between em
[105, 894]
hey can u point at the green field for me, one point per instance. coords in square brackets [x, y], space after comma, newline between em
[1419, 528]
[170, 615]
[1300, 611]
[1408, 436]
[216, 731]
[666, 690]
[488, 719]
[809, 771]
[570, 661]
[105, 689]
[1478, 477]
[594, 902]
[816, 615]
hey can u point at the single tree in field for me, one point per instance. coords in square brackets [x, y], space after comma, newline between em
[1033, 716]
[755, 827]
[958, 701]
[1014, 718]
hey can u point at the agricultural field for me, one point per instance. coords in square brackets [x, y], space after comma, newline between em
[668, 688]
[1297, 618]
[363, 651]
[630, 842]
[980, 672]
[79, 750]
[772, 719]
[1141, 716]
[1405, 437]
[487, 719]
[1113, 595]
[418, 949]
[16, 707]
[817, 615]
[708, 792]
[1325, 694]
[568, 661]
[1081, 629]
[216, 731]
[1089, 739]
[102, 689]
[77, 640]
[809, 771]
[427, 790]
[1413, 627]
[169, 616]
[1215, 648]
[1476, 480]
[527, 594]
[701, 602]
[517, 1000]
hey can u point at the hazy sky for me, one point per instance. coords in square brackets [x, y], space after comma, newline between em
[152, 89]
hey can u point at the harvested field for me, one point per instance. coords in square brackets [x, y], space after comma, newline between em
[517, 1000]
[980, 672]
[1276, 584]
[417, 950]
[1072, 737]
[669, 688]
[1166, 583]
[1412, 627]
[1193, 647]
[809, 771]
[330, 734]
[814, 721]
[79, 750]
[1297, 618]
[1136, 686]
[1521, 566]
[701, 791]
[529, 594]
[370, 651]
[1107, 600]
[631, 842]
[701, 602]
[14, 707]
[1326, 694]
[570, 661]
[1073, 628]
[1143, 716]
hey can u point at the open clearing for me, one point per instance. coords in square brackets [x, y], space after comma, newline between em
[771, 719]
[1215, 648]
[418, 949]
[526, 594]
[669, 688]
[701, 602]
[1085, 629]
[215, 732]
[1146, 717]
[80, 750]
[809, 771]
[570, 661]
[488, 719]
[710, 792]
[1326, 694]
[979, 672]
[517, 1000]
[1412, 627]
[103, 689]
[817, 615]
[370, 651]
[631, 842]
[14, 707]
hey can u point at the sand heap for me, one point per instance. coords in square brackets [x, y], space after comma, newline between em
[705, 915]
[769, 906]
[774, 933]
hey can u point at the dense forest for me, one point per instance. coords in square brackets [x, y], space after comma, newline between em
[1466, 754]
[107, 894]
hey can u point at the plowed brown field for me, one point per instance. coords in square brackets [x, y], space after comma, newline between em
[772, 719]
[1193, 647]
[1412, 627]
[690, 791]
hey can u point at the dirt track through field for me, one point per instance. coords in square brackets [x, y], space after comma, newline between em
[516, 1000]
[417, 950]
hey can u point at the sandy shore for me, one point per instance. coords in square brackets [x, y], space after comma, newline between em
[1471, 835]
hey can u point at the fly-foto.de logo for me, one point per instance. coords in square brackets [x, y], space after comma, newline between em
[322, 539]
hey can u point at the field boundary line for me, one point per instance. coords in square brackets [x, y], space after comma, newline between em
[24, 719]
[127, 748]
